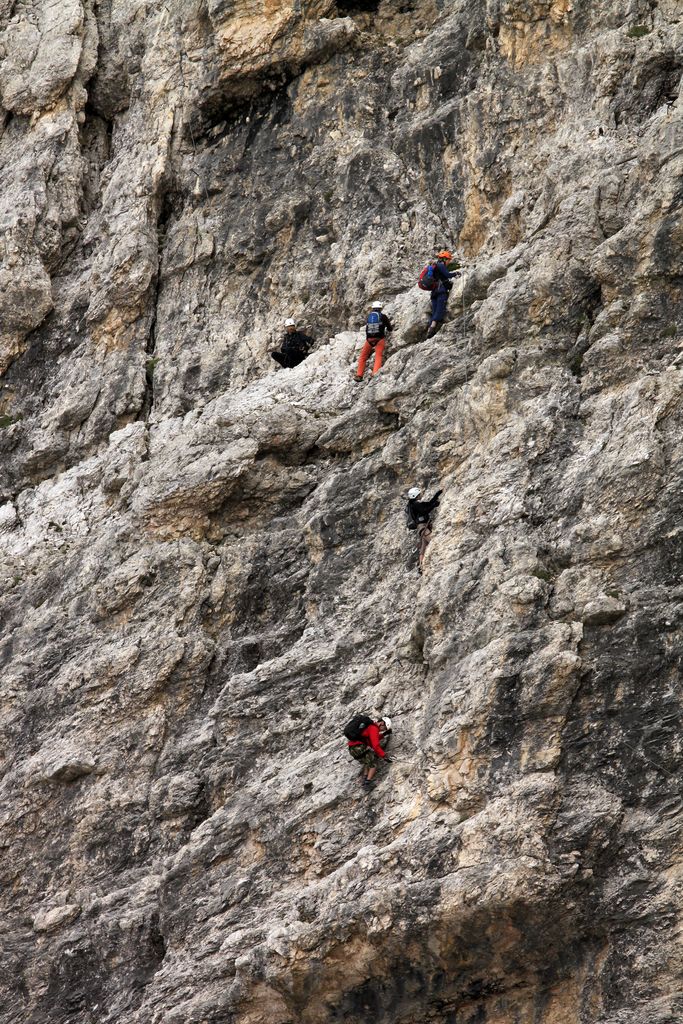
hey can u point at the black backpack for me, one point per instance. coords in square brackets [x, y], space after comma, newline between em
[353, 730]
[411, 522]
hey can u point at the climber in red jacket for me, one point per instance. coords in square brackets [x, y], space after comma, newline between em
[367, 749]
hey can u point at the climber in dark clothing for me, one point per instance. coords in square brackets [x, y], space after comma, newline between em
[439, 297]
[419, 515]
[295, 346]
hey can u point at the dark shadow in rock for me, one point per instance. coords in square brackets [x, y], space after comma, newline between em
[95, 137]
[473, 969]
[348, 8]
[156, 943]
[7, 119]
[225, 113]
[78, 981]
[622, 728]
[390, 419]
[505, 725]
[650, 85]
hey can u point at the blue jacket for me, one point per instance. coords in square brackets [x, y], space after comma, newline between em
[443, 275]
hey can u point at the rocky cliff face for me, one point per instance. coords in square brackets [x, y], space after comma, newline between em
[204, 565]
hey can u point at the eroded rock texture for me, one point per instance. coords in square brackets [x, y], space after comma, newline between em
[204, 563]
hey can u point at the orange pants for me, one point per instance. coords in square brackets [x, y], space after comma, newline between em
[365, 355]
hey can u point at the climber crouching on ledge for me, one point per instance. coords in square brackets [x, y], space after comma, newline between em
[295, 346]
[364, 736]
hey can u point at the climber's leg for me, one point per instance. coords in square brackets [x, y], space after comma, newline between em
[364, 356]
[424, 535]
[372, 762]
[439, 303]
[379, 354]
[367, 759]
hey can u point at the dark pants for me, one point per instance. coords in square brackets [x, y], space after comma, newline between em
[288, 359]
[439, 302]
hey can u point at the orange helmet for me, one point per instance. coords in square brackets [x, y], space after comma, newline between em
[444, 255]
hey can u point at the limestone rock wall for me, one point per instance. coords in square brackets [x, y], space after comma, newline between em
[204, 564]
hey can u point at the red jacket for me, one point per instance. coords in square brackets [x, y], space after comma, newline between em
[371, 739]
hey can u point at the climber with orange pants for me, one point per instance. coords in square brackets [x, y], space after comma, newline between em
[377, 327]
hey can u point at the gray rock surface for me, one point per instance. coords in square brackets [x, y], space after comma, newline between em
[204, 565]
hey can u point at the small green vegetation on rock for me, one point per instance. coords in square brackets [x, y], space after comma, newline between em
[638, 31]
[7, 421]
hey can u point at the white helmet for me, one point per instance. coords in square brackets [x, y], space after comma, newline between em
[387, 721]
[377, 305]
[289, 322]
[414, 492]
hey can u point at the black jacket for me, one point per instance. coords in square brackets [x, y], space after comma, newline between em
[419, 512]
[297, 343]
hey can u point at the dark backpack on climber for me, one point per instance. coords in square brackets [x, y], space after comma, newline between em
[427, 281]
[374, 328]
[354, 728]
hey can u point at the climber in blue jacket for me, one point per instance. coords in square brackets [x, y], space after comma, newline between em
[439, 297]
